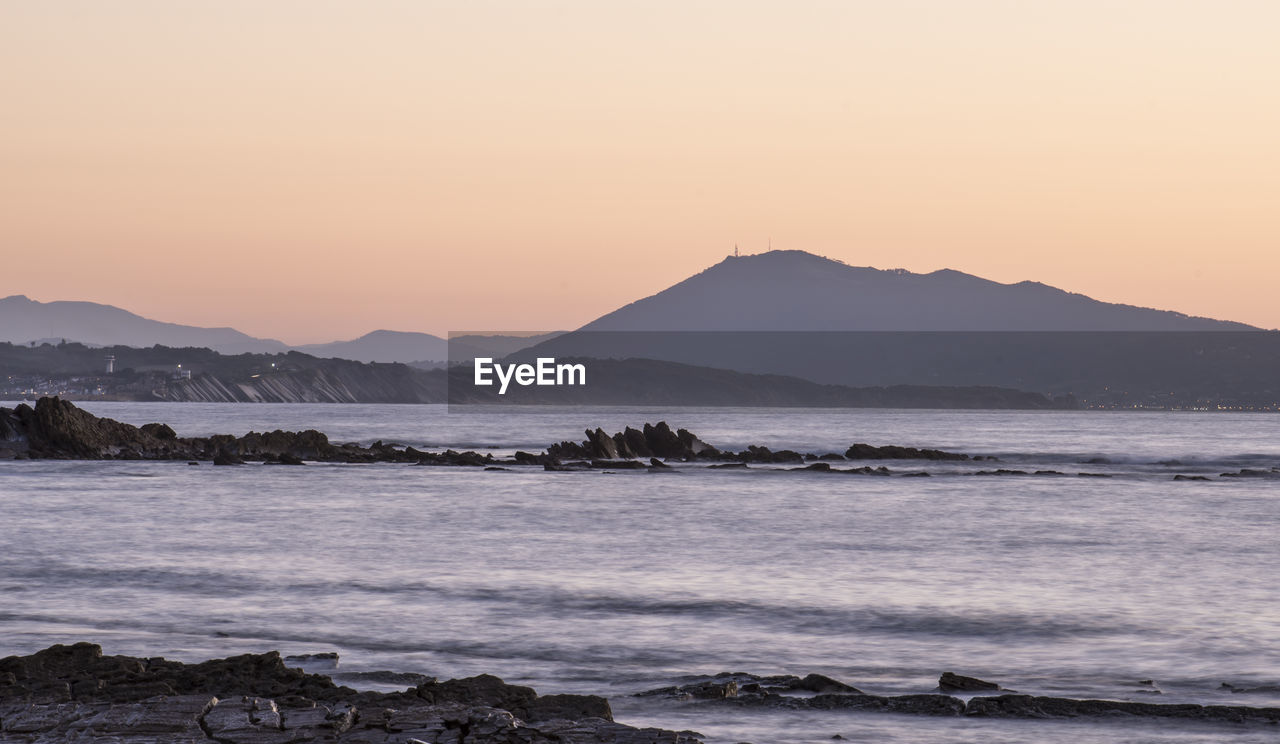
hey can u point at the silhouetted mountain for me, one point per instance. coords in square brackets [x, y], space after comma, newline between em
[23, 320]
[421, 349]
[469, 346]
[384, 346]
[795, 314]
[798, 291]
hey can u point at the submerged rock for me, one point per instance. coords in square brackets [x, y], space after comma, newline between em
[747, 690]
[383, 677]
[862, 451]
[820, 683]
[951, 682]
[749, 687]
[1028, 706]
[1264, 689]
[1253, 473]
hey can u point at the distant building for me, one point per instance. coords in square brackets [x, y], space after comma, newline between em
[111, 363]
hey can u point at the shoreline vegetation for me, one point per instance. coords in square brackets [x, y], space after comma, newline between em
[56, 429]
[75, 692]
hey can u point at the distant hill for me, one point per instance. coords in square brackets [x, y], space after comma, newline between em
[798, 291]
[384, 346]
[422, 348]
[466, 347]
[161, 373]
[649, 382]
[23, 320]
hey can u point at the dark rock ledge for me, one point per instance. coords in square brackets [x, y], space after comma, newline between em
[75, 693]
[56, 429]
[787, 692]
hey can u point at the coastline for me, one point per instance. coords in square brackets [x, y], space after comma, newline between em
[267, 524]
[75, 692]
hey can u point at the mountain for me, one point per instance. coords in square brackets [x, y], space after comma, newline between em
[470, 346]
[23, 320]
[384, 346]
[798, 291]
[409, 347]
[795, 314]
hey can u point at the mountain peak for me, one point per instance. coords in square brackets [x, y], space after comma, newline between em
[793, 290]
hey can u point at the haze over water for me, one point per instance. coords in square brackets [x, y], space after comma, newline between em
[617, 583]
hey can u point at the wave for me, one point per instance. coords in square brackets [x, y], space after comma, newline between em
[554, 603]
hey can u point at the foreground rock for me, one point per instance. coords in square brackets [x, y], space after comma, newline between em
[75, 693]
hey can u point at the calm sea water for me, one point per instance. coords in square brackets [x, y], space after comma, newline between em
[616, 583]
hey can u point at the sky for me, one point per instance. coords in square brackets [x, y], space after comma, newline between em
[311, 170]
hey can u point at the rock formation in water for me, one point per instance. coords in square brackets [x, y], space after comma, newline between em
[57, 429]
[779, 691]
[75, 693]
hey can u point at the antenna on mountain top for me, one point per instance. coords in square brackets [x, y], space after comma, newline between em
[771, 243]
[735, 250]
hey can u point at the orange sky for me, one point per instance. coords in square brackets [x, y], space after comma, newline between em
[314, 170]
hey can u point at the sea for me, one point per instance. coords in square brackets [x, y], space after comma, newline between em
[1103, 578]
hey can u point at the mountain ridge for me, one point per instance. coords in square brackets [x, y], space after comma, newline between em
[800, 291]
[23, 320]
[779, 290]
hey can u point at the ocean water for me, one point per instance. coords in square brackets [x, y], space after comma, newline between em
[613, 583]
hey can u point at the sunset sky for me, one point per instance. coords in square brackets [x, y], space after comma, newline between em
[315, 170]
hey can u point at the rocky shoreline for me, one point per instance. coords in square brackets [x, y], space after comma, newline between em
[76, 693]
[57, 429]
